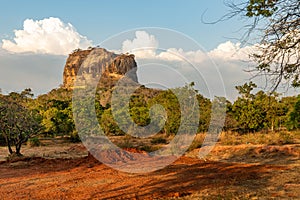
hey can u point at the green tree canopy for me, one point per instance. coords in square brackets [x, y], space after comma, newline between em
[17, 122]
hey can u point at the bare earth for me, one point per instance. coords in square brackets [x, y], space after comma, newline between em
[65, 171]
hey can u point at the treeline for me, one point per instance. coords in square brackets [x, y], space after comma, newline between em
[22, 116]
[261, 111]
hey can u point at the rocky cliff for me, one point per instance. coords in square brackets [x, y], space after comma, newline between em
[92, 63]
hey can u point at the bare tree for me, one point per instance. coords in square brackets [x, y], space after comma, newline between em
[278, 54]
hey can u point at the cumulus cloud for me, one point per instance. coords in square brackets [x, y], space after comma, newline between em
[143, 45]
[146, 46]
[206, 69]
[47, 36]
[174, 54]
[53, 37]
[230, 51]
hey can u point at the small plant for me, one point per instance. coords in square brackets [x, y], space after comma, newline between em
[158, 140]
[271, 138]
[126, 144]
[286, 138]
[230, 138]
[197, 142]
[148, 148]
[74, 137]
[34, 142]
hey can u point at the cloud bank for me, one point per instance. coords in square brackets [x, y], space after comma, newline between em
[50, 40]
[146, 46]
[227, 60]
[47, 36]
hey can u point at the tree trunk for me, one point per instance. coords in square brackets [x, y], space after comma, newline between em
[18, 149]
[9, 148]
[8, 144]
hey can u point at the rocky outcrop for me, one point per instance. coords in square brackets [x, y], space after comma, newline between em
[92, 63]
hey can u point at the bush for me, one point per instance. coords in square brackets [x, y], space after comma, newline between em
[74, 137]
[158, 140]
[34, 142]
[148, 148]
[126, 144]
[230, 138]
[197, 142]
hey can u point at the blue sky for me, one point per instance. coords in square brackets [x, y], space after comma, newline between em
[100, 19]
[33, 55]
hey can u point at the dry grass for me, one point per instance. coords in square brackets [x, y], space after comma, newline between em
[271, 138]
[197, 142]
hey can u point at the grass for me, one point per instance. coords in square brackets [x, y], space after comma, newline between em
[34, 142]
[158, 140]
[271, 138]
[197, 142]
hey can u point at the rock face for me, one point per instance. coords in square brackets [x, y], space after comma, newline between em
[92, 63]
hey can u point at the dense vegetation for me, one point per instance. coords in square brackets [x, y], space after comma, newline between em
[50, 115]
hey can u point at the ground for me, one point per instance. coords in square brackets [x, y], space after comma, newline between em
[64, 171]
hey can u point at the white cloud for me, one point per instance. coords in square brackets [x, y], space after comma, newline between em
[143, 45]
[229, 51]
[47, 36]
[52, 36]
[227, 59]
[173, 54]
[146, 46]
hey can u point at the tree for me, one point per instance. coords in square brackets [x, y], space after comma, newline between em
[17, 123]
[55, 109]
[57, 119]
[278, 53]
[247, 113]
[294, 116]
[205, 107]
[271, 109]
[254, 112]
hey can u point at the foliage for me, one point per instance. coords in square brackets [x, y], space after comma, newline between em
[274, 138]
[158, 140]
[34, 142]
[56, 111]
[51, 114]
[17, 122]
[254, 112]
[205, 113]
[248, 114]
[108, 124]
[294, 116]
[278, 53]
[171, 105]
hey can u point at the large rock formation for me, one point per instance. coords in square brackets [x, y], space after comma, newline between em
[93, 63]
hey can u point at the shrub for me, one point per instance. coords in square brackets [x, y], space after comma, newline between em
[126, 143]
[271, 138]
[148, 148]
[34, 142]
[197, 142]
[74, 137]
[158, 140]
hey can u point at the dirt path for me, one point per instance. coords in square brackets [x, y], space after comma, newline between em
[187, 178]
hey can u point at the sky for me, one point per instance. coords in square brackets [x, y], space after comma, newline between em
[37, 36]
